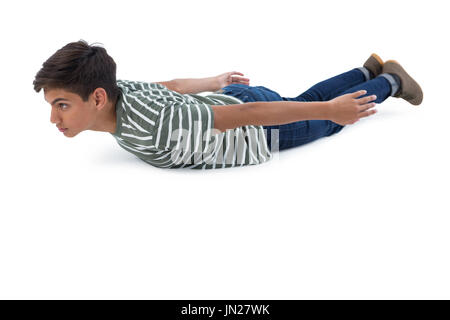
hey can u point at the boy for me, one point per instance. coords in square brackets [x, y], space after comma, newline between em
[168, 125]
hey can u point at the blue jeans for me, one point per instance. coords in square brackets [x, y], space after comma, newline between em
[298, 133]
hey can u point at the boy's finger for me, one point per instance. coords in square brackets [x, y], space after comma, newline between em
[366, 106]
[367, 113]
[237, 76]
[364, 100]
[359, 93]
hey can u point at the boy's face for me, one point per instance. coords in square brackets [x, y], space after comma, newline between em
[71, 113]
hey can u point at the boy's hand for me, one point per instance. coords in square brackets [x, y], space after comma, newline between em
[226, 79]
[347, 109]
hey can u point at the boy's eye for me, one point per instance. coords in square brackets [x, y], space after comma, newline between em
[62, 104]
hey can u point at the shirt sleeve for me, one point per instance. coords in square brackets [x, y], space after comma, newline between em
[187, 126]
[140, 85]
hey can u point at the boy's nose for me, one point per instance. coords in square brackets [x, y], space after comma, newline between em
[53, 116]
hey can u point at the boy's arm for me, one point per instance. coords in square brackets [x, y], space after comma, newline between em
[345, 109]
[206, 84]
[196, 85]
[266, 113]
[171, 85]
[191, 85]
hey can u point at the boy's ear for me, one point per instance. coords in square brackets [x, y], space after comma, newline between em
[100, 96]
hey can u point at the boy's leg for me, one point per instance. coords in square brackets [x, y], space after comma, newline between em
[322, 91]
[332, 87]
[383, 86]
[301, 132]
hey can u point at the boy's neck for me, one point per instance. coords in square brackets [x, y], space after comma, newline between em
[107, 121]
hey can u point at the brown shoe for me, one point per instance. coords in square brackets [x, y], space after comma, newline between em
[374, 64]
[409, 89]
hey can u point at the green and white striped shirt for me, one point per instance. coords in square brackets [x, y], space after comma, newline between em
[171, 130]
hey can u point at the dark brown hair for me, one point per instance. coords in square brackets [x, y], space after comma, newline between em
[79, 68]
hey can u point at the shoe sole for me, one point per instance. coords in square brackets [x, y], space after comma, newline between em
[409, 88]
[375, 64]
[376, 57]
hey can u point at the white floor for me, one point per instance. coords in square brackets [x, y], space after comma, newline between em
[363, 214]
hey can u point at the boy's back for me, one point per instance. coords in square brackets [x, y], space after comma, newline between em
[171, 130]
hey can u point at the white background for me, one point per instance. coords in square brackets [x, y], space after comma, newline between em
[363, 214]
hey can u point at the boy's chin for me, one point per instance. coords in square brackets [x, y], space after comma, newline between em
[70, 134]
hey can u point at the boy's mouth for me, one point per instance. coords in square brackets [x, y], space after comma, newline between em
[62, 129]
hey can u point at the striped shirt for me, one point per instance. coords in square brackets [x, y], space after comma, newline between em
[171, 130]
